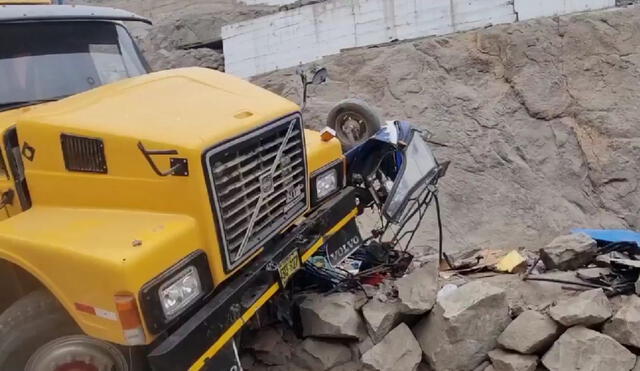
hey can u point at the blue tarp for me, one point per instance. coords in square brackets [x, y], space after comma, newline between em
[610, 235]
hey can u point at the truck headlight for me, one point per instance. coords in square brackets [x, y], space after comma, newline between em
[327, 181]
[173, 292]
[180, 291]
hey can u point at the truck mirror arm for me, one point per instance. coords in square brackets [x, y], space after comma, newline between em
[179, 169]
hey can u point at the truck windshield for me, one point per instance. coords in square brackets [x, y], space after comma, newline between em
[48, 60]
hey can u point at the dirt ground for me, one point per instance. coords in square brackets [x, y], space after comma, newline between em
[538, 118]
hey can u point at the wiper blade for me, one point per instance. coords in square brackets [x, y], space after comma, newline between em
[11, 105]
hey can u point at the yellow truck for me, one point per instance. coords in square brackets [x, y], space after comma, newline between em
[146, 217]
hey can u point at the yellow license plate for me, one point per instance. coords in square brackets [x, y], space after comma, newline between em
[289, 266]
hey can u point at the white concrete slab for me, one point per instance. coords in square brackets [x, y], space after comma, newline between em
[308, 33]
[528, 9]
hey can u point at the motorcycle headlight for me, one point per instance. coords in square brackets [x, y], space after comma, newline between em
[180, 291]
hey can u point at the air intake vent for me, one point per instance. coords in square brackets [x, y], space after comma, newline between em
[83, 154]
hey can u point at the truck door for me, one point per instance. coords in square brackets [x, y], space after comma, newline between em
[14, 196]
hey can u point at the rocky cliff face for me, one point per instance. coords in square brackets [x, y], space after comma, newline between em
[540, 120]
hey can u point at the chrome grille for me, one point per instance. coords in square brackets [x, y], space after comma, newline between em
[254, 196]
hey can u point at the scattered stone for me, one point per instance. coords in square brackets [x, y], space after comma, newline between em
[316, 354]
[582, 349]
[569, 252]
[332, 316]
[593, 273]
[349, 366]
[381, 317]
[424, 367]
[624, 326]
[531, 332]
[446, 290]
[463, 327]
[589, 308]
[503, 360]
[417, 290]
[482, 366]
[398, 351]
[269, 347]
[364, 345]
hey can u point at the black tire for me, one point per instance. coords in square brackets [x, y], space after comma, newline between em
[29, 323]
[38, 321]
[359, 112]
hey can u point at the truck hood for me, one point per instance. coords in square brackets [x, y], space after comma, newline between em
[192, 108]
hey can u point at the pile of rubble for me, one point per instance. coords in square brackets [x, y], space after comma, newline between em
[545, 317]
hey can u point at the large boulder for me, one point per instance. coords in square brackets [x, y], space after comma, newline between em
[531, 332]
[503, 360]
[418, 290]
[381, 317]
[463, 327]
[589, 308]
[582, 349]
[624, 326]
[317, 354]
[269, 347]
[332, 316]
[398, 351]
[569, 252]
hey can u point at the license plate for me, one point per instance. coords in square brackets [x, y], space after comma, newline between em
[343, 243]
[289, 266]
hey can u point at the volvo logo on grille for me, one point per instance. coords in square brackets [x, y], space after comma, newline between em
[266, 183]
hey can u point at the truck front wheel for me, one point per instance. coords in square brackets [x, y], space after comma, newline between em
[37, 334]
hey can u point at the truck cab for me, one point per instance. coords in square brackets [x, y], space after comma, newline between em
[145, 216]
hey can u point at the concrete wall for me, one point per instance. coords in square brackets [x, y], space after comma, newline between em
[528, 9]
[268, 2]
[308, 33]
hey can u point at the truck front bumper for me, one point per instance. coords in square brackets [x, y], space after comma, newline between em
[203, 341]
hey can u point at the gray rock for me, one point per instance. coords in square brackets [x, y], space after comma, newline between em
[593, 273]
[637, 366]
[582, 349]
[417, 290]
[569, 252]
[316, 354]
[364, 345]
[349, 366]
[637, 286]
[332, 316]
[503, 360]
[624, 326]
[424, 367]
[463, 327]
[531, 332]
[398, 351]
[381, 317]
[589, 308]
[482, 366]
[269, 347]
